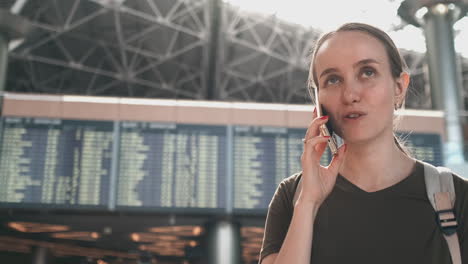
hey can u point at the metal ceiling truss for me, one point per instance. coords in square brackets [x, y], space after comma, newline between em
[264, 59]
[126, 48]
[193, 49]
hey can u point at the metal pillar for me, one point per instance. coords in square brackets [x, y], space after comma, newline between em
[3, 65]
[41, 255]
[11, 27]
[437, 19]
[212, 50]
[223, 242]
[445, 76]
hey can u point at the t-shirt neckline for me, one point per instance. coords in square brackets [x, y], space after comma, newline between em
[345, 184]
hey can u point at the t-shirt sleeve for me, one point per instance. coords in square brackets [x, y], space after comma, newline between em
[278, 218]
[461, 209]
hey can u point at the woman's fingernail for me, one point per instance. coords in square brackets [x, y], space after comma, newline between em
[323, 117]
[326, 136]
[315, 109]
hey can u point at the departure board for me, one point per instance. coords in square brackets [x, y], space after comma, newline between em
[426, 147]
[55, 162]
[172, 165]
[260, 163]
[295, 148]
[263, 156]
[67, 163]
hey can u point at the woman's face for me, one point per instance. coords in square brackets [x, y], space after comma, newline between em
[356, 86]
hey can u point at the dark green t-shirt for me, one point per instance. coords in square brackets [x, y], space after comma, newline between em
[393, 225]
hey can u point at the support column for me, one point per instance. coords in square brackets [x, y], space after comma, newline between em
[40, 255]
[212, 51]
[11, 27]
[445, 76]
[437, 19]
[223, 243]
[3, 66]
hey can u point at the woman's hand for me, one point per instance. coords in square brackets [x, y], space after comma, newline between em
[317, 180]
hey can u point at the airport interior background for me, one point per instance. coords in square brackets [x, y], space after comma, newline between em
[157, 131]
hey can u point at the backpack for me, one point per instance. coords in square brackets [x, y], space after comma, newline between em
[441, 194]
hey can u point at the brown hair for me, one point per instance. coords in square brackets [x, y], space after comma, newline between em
[397, 63]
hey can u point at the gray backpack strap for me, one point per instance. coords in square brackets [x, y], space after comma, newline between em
[441, 194]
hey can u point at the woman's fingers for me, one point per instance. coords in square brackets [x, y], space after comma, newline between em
[320, 148]
[337, 160]
[313, 129]
[313, 149]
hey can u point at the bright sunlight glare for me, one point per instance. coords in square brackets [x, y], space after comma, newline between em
[329, 14]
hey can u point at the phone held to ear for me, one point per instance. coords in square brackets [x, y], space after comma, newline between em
[326, 129]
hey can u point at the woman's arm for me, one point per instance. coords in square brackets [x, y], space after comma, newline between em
[317, 183]
[298, 242]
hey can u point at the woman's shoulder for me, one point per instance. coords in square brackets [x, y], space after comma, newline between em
[290, 183]
[287, 187]
[459, 180]
[461, 188]
[461, 205]
[293, 179]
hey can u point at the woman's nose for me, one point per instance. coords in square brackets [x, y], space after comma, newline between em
[351, 92]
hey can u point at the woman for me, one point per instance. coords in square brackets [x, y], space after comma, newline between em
[370, 204]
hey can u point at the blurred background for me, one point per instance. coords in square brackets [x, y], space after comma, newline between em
[156, 131]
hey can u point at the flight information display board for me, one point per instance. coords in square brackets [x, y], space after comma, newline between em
[260, 163]
[55, 162]
[263, 156]
[426, 147]
[172, 165]
[154, 166]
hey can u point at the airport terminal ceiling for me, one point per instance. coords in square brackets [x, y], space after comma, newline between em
[190, 49]
[175, 49]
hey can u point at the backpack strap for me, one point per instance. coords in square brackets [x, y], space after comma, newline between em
[441, 194]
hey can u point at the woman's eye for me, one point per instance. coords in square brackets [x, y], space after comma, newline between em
[368, 72]
[332, 80]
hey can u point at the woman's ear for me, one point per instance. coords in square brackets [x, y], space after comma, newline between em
[401, 87]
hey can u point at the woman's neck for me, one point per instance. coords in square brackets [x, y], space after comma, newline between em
[376, 165]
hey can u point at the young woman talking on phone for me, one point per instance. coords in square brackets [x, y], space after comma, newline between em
[370, 205]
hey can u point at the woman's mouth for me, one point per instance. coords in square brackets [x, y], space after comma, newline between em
[354, 115]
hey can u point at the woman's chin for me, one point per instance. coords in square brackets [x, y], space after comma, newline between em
[354, 138]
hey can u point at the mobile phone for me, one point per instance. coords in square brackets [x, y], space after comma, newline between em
[326, 129]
